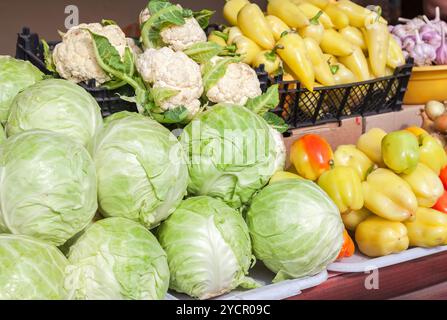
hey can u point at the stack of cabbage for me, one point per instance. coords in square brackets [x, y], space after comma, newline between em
[137, 210]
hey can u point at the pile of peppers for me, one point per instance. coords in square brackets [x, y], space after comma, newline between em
[318, 42]
[390, 188]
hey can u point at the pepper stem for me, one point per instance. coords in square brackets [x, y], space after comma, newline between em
[220, 34]
[315, 20]
[271, 55]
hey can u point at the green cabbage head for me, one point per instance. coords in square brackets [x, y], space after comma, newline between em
[15, 75]
[141, 168]
[30, 269]
[208, 248]
[117, 258]
[296, 229]
[55, 105]
[48, 186]
[232, 153]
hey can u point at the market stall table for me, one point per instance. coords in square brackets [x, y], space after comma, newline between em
[425, 278]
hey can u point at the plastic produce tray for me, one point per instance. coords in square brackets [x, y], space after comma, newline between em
[361, 263]
[29, 48]
[269, 291]
[301, 108]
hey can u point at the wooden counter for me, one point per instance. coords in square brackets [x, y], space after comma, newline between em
[425, 278]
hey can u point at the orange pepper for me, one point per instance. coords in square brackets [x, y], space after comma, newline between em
[312, 156]
[348, 248]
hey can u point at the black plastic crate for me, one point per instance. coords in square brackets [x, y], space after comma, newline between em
[301, 108]
[30, 48]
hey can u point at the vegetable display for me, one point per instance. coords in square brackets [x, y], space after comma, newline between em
[299, 29]
[141, 169]
[31, 269]
[116, 258]
[208, 248]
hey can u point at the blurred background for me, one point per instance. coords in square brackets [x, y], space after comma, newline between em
[45, 17]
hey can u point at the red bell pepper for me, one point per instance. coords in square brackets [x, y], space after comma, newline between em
[443, 176]
[348, 248]
[441, 205]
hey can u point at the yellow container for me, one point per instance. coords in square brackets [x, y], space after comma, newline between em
[427, 83]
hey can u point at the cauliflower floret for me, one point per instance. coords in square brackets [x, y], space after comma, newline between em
[164, 68]
[75, 57]
[239, 83]
[181, 37]
[136, 50]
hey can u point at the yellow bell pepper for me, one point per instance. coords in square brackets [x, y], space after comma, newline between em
[342, 75]
[355, 36]
[334, 43]
[322, 69]
[426, 185]
[271, 61]
[400, 151]
[315, 30]
[357, 63]
[370, 144]
[417, 131]
[247, 49]
[287, 12]
[311, 155]
[284, 175]
[295, 55]
[233, 33]
[432, 153]
[344, 187]
[377, 237]
[377, 40]
[311, 11]
[353, 218]
[277, 25]
[429, 229]
[350, 156]
[218, 37]
[395, 56]
[231, 10]
[358, 16]
[389, 196]
[252, 22]
[338, 17]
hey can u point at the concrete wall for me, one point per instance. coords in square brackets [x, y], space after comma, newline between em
[47, 16]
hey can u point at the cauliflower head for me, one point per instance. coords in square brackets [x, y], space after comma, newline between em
[165, 68]
[181, 37]
[239, 83]
[75, 57]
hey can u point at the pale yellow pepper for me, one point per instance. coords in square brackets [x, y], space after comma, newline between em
[334, 43]
[294, 54]
[350, 156]
[353, 218]
[377, 40]
[426, 185]
[431, 153]
[344, 187]
[311, 11]
[389, 196]
[270, 60]
[315, 30]
[287, 12]
[377, 237]
[214, 37]
[319, 3]
[231, 10]
[321, 67]
[370, 144]
[357, 63]
[342, 74]
[247, 49]
[429, 229]
[358, 16]
[252, 22]
[395, 56]
[233, 33]
[355, 36]
[338, 17]
[277, 25]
